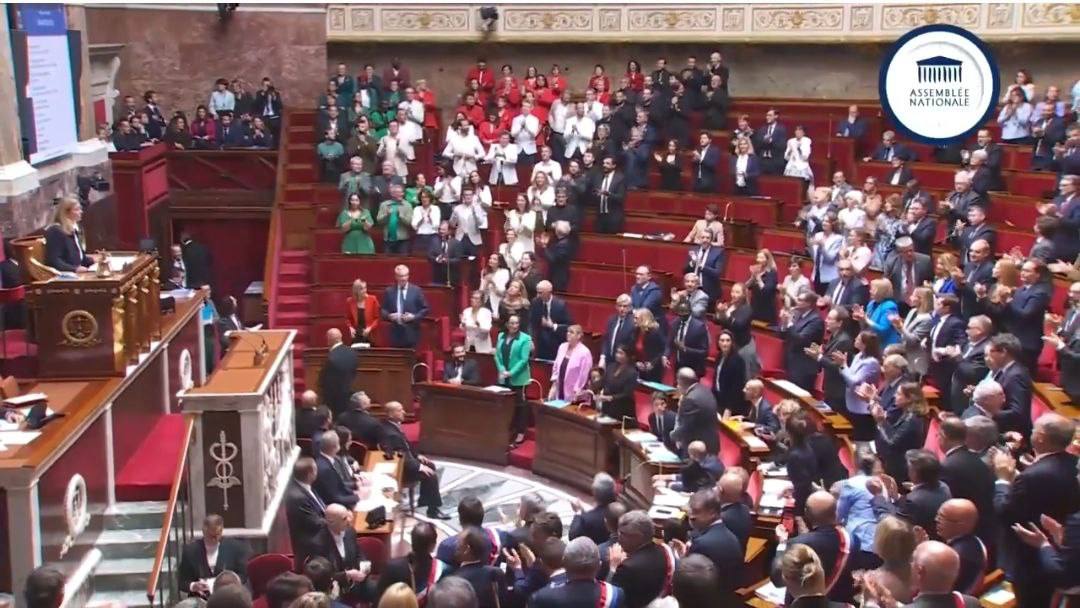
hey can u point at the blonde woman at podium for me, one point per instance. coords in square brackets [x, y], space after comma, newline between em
[64, 247]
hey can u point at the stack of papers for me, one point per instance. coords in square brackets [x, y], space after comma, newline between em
[557, 403]
[668, 498]
[495, 388]
[640, 436]
[771, 593]
[27, 399]
[662, 455]
[659, 512]
[602, 419]
[18, 437]
[772, 493]
[792, 388]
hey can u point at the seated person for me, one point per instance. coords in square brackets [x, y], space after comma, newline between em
[330, 485]
[702, 470]
[418, 468]
[64, 249]
[203, 559]
[459, 369]
[662, 420]
[125, 138]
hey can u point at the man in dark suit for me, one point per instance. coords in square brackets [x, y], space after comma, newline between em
[198, 261]
[760, 413]
[920, 227]
[976, 229]
[712, 538]
[833, 385]
[583, 587]
[921, 504]
[1023, 313]
[418, 468]
[639, 566]
[969, 358]
[908, 269]
[889, 149]
[1048, 487]
[364, 427]
[845, 290]
[620, 329]
[770, 140]
[231, 134]
[947, 331]
[707, 262]
[559, 254]
[459, 369]
[800, 328]
[828, 540]
[954, 207]
[1047, 131]
[978, 270]
[329, 485]
[899, 173]
[549, 319]
[610, 196]
[337, 374]
[1066, 343]
[486, 580]
[336, 542]
[227, 322]
[696, 420]
[591, 523]
[445, 254]
[381, 183]
[735, 512]
[202, 560]
[701, 470]
[992, 160]
[310, 419]
[967, 476]
[706, 161]
[689, 343]
[934, 570]
[470, 514]
[662, 420]
[854, 126]
[645, 293]
[304, 509]
[956, 524]
[404, 306]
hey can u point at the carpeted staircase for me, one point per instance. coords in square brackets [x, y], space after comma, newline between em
[292, 294]
[148, 473]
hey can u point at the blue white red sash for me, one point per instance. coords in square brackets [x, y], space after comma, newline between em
[841, 558]
[438, 569]
[669, 568]
[959, 599]
[496, 546]
[606, 598]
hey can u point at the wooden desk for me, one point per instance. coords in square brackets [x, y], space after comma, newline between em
[465, 422]
[1056, 399]
[385, 374]
[360, 525]
[637, 471]
[571, 446]
[749, 455]
[835, 424]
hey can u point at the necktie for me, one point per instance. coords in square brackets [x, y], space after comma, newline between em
[818, 254]
[400, 300]
[909, 279]
[615, 334]
[937, 330]
[318, 501]
[968, 350]
[838, 294]
[888, 153]
[604, 197]
[547, 310]
[769, 133]
[682, 330]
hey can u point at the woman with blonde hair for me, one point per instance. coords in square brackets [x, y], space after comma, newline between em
[541, 195]
[763, 284]
[514, 302]
[745, 168]
[804, 578]
[1006, 272]
[915, 328]
[398, 595]
[648, 346]
[894, 543]
[476, 322]
[944, 265]
[570, 372]
[878, 311]
[312, 599]
[362, 313]
[64, 247]
[523, 220]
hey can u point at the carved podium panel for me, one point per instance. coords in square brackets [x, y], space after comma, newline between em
[93, 325]
[245, 444]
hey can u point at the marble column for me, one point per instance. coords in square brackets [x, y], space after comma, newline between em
[76, 20]
[16, 175]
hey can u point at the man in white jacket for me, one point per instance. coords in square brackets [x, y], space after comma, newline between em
[463, 148]
[578, 132]
[469, 220]
[524, 130]
[413, 128]
[503, 157]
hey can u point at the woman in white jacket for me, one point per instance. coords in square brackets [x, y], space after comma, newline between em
[476, 322]
[797, 155]
[523, 220]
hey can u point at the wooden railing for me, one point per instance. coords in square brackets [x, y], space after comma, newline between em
[276, 234]
[176, 529]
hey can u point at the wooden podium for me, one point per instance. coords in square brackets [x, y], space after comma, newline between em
[465, 422]
[93, 324]
[571, 446]
[245, 443]
[385, 374]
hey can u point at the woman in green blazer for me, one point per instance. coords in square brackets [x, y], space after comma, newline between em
[354, 222]
[512, 352]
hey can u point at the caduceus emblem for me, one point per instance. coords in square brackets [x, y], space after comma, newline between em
[223, 452]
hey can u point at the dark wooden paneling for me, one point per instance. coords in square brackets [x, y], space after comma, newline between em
[571, 448]
[465, 422]
[385, 374]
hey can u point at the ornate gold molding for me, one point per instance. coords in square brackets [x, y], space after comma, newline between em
[825, 23]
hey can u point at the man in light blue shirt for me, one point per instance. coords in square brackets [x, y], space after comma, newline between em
[221, 99]
[1053, 98]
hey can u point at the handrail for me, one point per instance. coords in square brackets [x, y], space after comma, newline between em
[170, 509]
[275, 236]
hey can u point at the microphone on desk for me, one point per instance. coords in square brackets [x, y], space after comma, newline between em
[727, 207]
[262, 349]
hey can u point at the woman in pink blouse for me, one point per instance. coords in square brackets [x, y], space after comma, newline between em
[572, 365]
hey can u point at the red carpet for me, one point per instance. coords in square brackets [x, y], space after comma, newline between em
[522, 457]
[148, 474]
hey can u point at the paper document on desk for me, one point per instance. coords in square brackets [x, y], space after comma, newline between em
[772, 493]
[668, 498]
[27, 399]
[385, 468]
[754, 441]
[792, 388]
[661, 512]
[632, 235]
[640, 436]
[495, 388]
[771, 593]
[662, 456]
[602, 419]
[179, 294]
[557, 403]
[18, 437]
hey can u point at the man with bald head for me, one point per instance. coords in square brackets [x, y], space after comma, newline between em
[404, 306]
[934, 567]
[832, 543]
[967, 475]
[549, 318]
[702, 470]
[713, 539]
[955, 522]
[696, 419]
[329, 485]
[734, 512]
[977, 269]
[336, 542]
[337, 374]
[1048, 487]
[418, 468]
[306, 416]
[957, 203]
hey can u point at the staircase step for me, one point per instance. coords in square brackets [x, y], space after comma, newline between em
[135, 515]
[295, 255]
[125, 544]
[123, 574]
[293, 289]
[130, 599]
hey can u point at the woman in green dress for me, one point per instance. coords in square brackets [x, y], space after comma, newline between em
[412, 193]
[354, 222]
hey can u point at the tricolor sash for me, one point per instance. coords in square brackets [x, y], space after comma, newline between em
[606, 598]
[841, 558]
[669, 568]
[496, 546]
[438, 569]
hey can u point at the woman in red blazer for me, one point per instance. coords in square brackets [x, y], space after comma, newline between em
[362, 304]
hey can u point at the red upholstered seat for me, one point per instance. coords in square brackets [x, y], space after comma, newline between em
[263, 568]
[374, 550]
